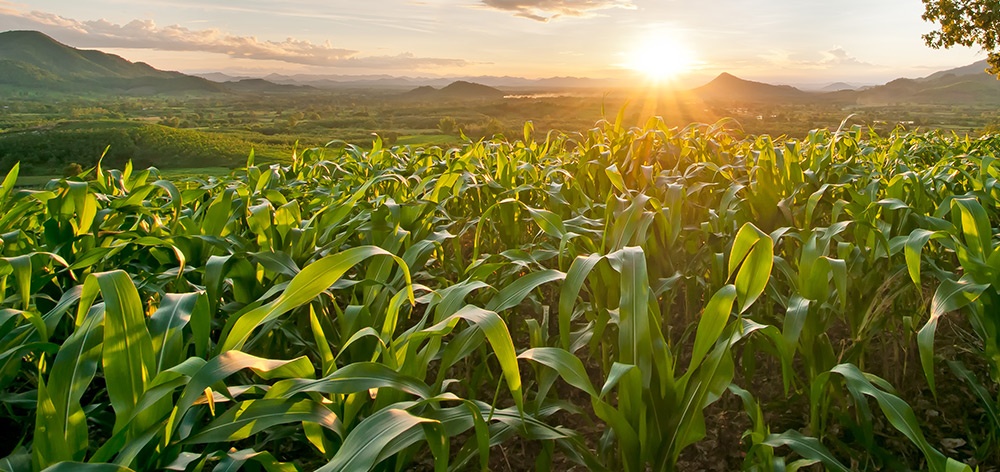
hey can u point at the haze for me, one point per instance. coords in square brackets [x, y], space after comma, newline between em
[787, 41]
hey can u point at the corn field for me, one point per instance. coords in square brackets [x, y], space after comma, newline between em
[597, 301]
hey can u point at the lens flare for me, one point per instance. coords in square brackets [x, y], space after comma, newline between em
[660, 56]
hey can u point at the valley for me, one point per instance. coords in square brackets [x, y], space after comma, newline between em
[81, 102]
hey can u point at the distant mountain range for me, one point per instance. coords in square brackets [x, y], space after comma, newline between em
[32, 61]
[388, 82]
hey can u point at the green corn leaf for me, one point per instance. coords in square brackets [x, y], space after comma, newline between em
[899, 414]
[68, 299]
[85, 467]
[814, 282]
[975, 226]
[51, 445]
[166, 327]
[986, 401]
[568, 366]
[234, 461]
[457, 348]
[222, 366]
[176, 201]
[499, 338]
[17, 461]
[352, 378]
[549, 222]
[250, 417]
[576, 277]
[513, 294]
[807, 447]
[618, 370]
[72, 371]
[811, 204]
[453, 298]
[838, 272]
[915, 243]
[322, 345]
[616, 178]
[712, 323]
[795, 319]
[128, 359]
[949, 296]
[8, 183]
[365, 443]
[753, 253]
[482, 222]
[303, 288]
[218, 214]
[22, 275]
[279, 262]
[635, 336]
[128, 442]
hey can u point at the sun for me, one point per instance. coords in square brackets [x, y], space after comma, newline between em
[660, 56]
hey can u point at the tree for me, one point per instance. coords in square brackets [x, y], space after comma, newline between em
[492, 127]
[447, 125]
[72, 169]
[966, 23]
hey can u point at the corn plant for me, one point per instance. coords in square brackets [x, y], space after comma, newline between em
[596, 297]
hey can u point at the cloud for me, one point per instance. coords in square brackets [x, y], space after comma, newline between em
[401, 61]
[835, 58]
[545, 10]
[838, 56]
[146, 34]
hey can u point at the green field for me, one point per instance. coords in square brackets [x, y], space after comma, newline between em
[170, 174]
[631, 298]
[51, 147]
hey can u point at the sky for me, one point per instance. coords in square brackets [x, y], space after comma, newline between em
[786, 41]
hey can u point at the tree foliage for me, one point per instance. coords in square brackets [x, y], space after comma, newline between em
[966, 23]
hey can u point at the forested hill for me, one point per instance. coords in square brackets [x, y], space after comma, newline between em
[33, 61]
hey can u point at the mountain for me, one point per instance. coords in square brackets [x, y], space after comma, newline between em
[32, 60]
[838, 86]
[976, 68]
[39, 50]
[729, 88]
[422, 92]
[469, 90]
[455, 91]
[968, 85]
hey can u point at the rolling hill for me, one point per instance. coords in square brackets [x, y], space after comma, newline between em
[838, 87]
[455, 91]
[976, 68]
[968, 85]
